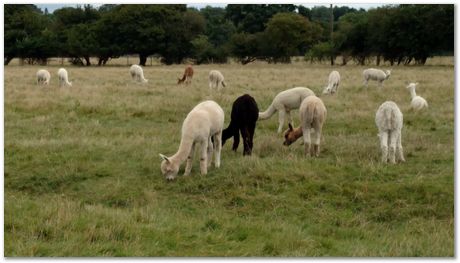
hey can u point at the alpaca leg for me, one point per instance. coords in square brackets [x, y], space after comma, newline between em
[392, 143]
[281, 116]
[251, 128]
[204, 159]
[245, 135]
[236, 140]
[289, 117]
[384, 146]
[316, 146]
[210, 149]
[188, 166]
[218, 148]
[307, 141]
[400, 149]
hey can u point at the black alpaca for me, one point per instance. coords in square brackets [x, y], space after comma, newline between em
[243, 119]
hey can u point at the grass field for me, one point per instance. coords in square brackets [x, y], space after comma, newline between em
[82, 171]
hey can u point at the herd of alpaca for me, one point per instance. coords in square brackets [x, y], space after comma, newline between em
[204, 123]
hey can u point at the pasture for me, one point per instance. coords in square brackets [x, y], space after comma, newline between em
[82, 171]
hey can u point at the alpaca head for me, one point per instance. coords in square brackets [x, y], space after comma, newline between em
[290, 135]
[326, 90]
[179, 81]
[412, 85]
[388, 73]
[168, 168]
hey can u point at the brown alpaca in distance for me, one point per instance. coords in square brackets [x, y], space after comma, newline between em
[312, 115]
[187, 77]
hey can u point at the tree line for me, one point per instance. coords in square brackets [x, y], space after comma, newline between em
[399, 34]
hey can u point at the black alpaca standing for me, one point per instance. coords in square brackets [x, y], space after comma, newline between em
[243, 119]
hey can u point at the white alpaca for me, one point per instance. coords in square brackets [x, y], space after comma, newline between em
[312, 116]
[216, 78]
[375, 74]
[417, 102]
[206, 120]
[389, 121]
[43, 76]
[63, 78]
[284, 102]
[137, 74]
[333, 84]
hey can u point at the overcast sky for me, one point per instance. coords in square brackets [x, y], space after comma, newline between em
[52, 7]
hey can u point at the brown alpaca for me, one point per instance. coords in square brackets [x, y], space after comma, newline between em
[312, 115]
[187, 77]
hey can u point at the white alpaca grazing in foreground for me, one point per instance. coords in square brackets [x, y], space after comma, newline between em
[216, 79]
[43, 77]
[137, 74]
[375, 74]
[63, 78]
[206, 120]
[284, 102]
[389, 121]
[312, 116]
[417, 102]
[333, 84]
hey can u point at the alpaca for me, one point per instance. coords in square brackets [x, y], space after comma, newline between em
[312, 116]
[137, 74]
[216, 78]
[389, 121]
[284, 102]
[187, 77]
[333, 85]
[375, 74]
[43, 77]
[417, 102]
[243, 119]
[204, 121]
[63, 78]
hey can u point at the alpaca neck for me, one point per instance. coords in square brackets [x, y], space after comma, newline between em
[412, 92]
[184, 150]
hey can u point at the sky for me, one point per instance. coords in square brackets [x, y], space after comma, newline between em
[52, 7]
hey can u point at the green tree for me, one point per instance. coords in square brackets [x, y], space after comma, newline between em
[252, 18]
[27, 34]
[289, 34]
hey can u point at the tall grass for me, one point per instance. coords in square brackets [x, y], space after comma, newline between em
[82, 174]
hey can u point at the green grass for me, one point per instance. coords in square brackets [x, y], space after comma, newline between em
[82, 171]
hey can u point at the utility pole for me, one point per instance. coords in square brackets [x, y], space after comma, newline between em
[332, 40]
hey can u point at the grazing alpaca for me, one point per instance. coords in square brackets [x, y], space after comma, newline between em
[137, 74]
[417, 102]
[333, 85]
[43, 76]
[187, 77]
[216, 78]
[284, 102]
[204, 121]
[63, 78]
[389, 121]
[243, 119]
[375, 74]
[312, 115]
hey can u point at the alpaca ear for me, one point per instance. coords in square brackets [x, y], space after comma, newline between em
[164, 157]
[290, 127]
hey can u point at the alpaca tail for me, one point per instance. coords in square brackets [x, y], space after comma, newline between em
[389, 119]
[268, 113]
[311, 113]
